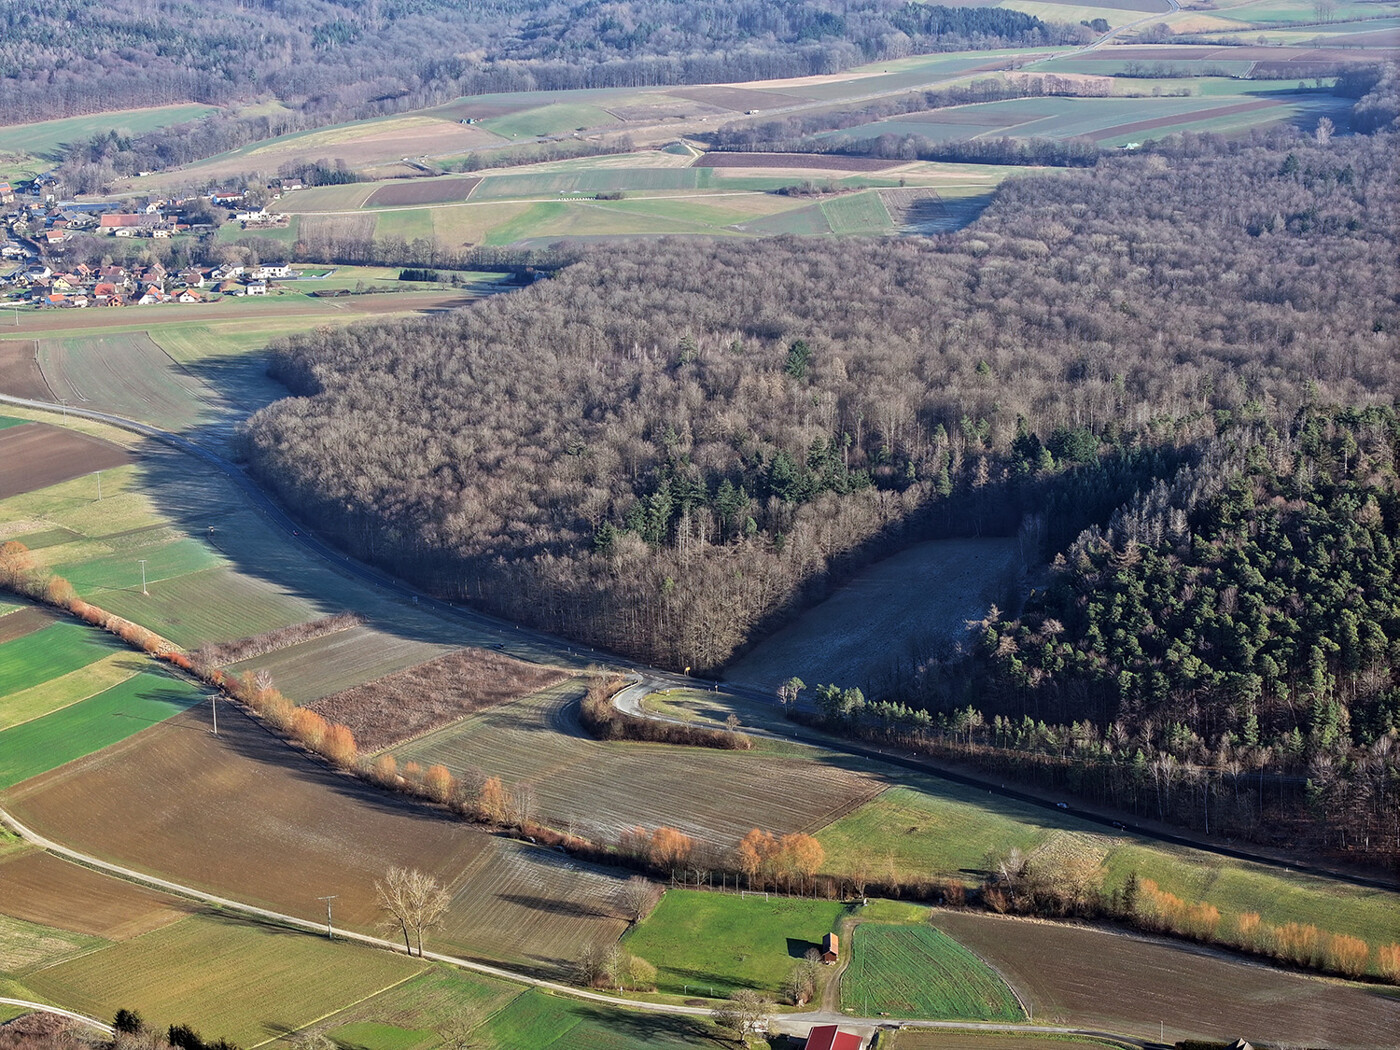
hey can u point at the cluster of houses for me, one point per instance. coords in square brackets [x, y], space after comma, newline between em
[115, 285]
[36, 229]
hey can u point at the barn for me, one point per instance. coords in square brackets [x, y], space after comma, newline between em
[831, 948]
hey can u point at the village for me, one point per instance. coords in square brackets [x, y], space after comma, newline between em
[39, 230]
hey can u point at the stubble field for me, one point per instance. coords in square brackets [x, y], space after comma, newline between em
[600, 789]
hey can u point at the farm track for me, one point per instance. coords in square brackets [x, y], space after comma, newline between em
[45, 1008]
[652, 679]
[305, 925]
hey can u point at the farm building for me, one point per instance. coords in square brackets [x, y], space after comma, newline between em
[831, 948]
[830, 1037]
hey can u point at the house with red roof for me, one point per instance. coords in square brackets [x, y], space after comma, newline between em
[830, 1037]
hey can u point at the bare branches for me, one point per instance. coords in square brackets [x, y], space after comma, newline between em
[410, 902]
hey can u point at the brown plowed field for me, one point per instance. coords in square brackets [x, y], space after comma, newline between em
[1163, 122]
[824, 161]
[19, 371]
[42, 888]
[1096, 979]
[36, 455]
[244, 815]
[422, 191]
[24, 621]
[411, 702]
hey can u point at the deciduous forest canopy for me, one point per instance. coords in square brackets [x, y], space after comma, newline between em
[667, 446]
[343, 59]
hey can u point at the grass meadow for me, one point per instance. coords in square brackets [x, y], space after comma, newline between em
[55, 650]
[918, 971]
[701, 941]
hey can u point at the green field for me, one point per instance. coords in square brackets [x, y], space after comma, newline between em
[553, 119]
[166, 557]
[928, 827]
[45, 140]
[244, 982]
[917, 971]
[55, 693]
[79, 729]
[934, 1039]
[48, 653]
[700, 941]
[10, 421]
[857, 213]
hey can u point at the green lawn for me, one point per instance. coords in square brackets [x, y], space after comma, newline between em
[917, 971]
[55, 650]
[701, 941]
[244, 982]
[410, 1016]
[45, 743]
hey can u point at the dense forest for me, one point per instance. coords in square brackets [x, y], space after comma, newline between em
[335, 60]
[667, 447]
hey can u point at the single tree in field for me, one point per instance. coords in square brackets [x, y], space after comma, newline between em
[787, 692]
[638, 895]
[411, 901]
[744, 1013]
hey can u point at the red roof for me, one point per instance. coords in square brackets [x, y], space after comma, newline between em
[829, 1037]
[111, 221]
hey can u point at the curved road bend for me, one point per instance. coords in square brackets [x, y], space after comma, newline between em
[498, 972]
[263, 502]
[47, 1009]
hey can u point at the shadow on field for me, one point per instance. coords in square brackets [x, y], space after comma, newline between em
[797, 948]
[646, 1029]
[555, 906]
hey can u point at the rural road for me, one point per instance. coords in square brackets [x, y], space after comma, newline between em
[797, 1021]
[45, 1008]
[655, 678]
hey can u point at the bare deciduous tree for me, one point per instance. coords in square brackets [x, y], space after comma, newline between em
[411, 901]
[744, 1013]
[638, 895]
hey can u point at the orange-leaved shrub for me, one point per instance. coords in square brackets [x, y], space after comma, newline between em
[338, 745]
[438, 783]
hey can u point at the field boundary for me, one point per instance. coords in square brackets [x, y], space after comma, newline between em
[316, 928]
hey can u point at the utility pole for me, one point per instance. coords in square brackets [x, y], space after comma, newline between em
[330, 933]
[143, 576]
[99, 485]
[214, 706]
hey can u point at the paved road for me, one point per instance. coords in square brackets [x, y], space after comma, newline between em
[47, 1009]
[793, 1021]
[652, 679]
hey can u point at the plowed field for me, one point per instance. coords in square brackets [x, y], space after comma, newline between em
[1129, 984]
[242, 814]
[19, 371]
[45, 889]
[37, 455]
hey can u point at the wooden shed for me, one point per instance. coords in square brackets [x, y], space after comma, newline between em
[831, 948]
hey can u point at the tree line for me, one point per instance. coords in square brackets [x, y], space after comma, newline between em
[668, 448]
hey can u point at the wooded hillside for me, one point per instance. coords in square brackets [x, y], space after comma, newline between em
[342, 59]
[669, 445]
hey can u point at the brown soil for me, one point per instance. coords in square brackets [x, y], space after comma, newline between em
[1162, 122]
[244, 815]
[19, 371]
[42, 888]
[740, 99]
[24, 621]
[1127, 984]
[422, 191]
[410, 703]
[795, 160]
[36, 455]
